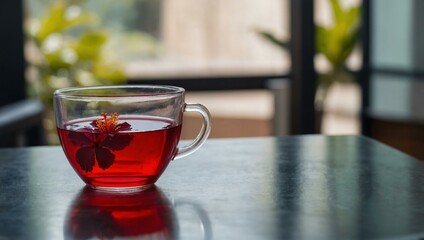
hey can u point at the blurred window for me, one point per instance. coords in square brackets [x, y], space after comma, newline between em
[164, 38]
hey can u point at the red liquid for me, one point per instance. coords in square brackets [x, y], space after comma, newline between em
[140, 155]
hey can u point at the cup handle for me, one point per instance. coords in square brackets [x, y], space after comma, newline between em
[204, 131]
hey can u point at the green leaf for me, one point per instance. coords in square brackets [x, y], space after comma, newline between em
[53, 20]
[320, 39]
[337, 42]
[56, 21]
[55, 61]
[337, 10]
[274, 40]
[89, 45]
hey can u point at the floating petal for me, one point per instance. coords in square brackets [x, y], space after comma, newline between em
[117, 141]
[85, 158]
[104, 157]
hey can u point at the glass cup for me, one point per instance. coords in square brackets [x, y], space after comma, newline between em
[121, 138]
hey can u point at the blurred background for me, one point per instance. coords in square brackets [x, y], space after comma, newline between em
[263, 68]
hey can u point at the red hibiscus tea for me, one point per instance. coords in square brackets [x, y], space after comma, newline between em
[124, 152]
[121, 138]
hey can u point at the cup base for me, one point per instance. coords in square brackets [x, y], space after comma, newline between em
[122, 189]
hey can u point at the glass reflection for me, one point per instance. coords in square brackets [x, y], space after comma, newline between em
[193, 220]
[148, 214]
[102, 215]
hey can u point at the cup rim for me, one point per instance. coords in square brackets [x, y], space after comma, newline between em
[78, 92]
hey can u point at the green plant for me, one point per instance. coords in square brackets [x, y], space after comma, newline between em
[65, 48]
[336, 43]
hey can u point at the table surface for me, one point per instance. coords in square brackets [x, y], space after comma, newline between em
[297, 187]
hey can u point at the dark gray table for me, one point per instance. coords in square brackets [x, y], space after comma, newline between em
[301, 187]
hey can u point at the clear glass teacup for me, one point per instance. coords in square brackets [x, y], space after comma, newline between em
[121, 138]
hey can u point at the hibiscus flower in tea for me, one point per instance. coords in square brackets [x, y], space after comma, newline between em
[120, 151]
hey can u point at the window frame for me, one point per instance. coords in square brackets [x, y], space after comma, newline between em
[212, 83]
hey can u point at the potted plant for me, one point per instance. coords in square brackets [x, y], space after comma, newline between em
[335, 43]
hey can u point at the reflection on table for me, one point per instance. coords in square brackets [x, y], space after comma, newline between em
[148, 214]
[102, 215]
